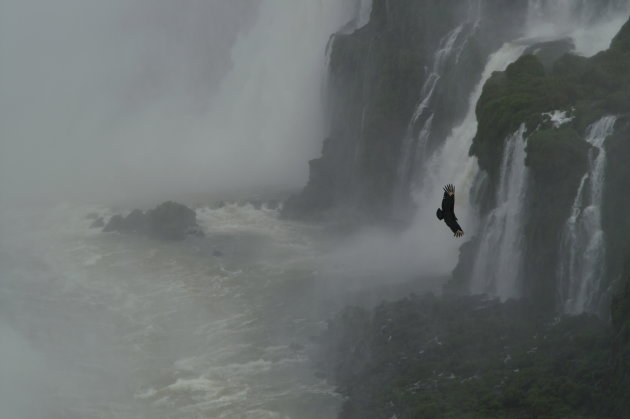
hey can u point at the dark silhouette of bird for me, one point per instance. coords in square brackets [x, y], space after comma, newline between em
[447, 212]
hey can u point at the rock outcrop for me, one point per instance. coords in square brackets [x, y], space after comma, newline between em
[379, 76]
[168, 221]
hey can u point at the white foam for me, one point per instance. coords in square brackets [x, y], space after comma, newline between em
[203, 384]
[559, 117]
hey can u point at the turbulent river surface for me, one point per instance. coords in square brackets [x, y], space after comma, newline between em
[104, 325]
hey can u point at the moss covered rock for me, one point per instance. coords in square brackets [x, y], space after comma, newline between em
[586, 89]
[425, 357]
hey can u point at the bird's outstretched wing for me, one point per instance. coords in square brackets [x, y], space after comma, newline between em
[448, 200]
[454, 226]
[448, 210]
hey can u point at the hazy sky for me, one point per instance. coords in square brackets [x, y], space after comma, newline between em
[118, 99]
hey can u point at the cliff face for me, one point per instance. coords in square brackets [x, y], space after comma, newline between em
[398, 86]
[469, 357]
[476, 357]
[559, 157]
[411, 52]
[620, 315]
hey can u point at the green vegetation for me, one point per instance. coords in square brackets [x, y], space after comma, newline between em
[587, 89]
[425, 357]
[616, 223]
[520, 94]
[592, 86]
[620, 315]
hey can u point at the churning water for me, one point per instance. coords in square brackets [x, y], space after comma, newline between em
[103, 325]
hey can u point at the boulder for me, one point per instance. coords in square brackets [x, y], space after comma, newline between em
[137, 222]
[168, 221]
[173, 221]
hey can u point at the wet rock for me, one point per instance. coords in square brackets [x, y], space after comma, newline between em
[173, 221]
[168, 221]
[137, 222]
[548, 52]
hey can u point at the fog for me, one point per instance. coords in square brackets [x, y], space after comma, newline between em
[130, 103]
[137, 100]
[124, 103]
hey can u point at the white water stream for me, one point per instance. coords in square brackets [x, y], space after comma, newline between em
[499, 258]
[583, 247]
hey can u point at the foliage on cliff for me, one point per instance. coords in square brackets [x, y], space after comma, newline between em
[620, 316]
[586, 89]
[423, 357]
[591, 87]
[616, 208]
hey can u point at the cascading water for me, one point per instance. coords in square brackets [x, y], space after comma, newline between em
[365, 8]
[271, 100]
[498, 263]
[590, 24]
[415, 145]
[583, 247]
[452, 164]
[452, 160]
[497, 266]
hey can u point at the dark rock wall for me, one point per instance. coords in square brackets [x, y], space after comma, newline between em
[557, 157]
[375, 81]
[376, 74]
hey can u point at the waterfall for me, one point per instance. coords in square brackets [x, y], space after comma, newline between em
[365, 9]
[452, 161]
[263, 107]
[499, 258]
[451, 164]
[589, 23]
[583, 247]
[415, 145]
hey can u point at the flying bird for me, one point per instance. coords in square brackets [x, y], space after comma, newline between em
[447, 212]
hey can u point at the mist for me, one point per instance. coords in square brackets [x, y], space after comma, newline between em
[121, 104]
[107, 106]
[138, 101]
